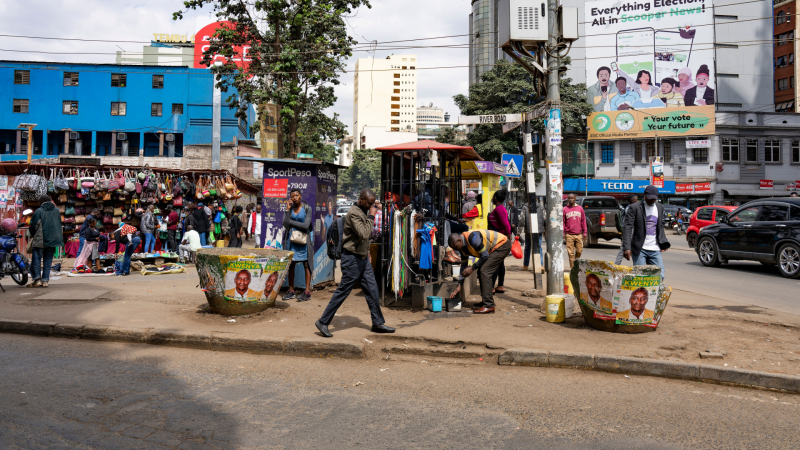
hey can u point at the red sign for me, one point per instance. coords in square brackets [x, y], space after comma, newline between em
[766, 184]
[792, 185]
[682, 188]
[275, 187]
[203, 42]
[702, 187]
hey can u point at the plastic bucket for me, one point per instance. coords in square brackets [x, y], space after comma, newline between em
[555, 308]
[435, 304]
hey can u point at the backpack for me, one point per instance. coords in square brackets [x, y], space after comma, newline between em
[335, 239]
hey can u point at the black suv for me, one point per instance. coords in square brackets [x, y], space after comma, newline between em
[767, 231]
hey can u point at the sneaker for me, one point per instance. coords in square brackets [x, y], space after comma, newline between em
[35, 283]
[44, 284]
[304, 297]
[289, 295]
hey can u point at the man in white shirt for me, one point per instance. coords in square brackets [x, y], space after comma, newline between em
[643, 237]
[191, 242]
[254, 226]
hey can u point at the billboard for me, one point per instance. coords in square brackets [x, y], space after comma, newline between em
[664, 122]
[655, 56]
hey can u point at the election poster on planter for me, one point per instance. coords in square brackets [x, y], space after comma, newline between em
[635, 299]
[654, 55]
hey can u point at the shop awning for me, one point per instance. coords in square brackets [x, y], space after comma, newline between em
[466, 153]
[756, 193]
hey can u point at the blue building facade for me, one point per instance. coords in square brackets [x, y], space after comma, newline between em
[100, 101]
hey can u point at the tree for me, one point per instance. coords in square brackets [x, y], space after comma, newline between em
[297, 50]
[364, 172]
[448, 136]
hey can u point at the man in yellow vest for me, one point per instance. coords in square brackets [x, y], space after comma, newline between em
[491, 248]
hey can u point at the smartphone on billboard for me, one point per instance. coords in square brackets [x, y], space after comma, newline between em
[636, 50]
[614, 66]
[672, 53]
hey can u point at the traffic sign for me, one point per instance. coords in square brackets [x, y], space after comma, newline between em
[513, 165]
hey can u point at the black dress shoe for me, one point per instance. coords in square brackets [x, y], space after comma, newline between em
[323, 329]
[382, 328]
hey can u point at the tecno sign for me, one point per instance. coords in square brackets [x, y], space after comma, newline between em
[618, 186]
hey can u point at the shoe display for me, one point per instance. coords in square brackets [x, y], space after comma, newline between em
[323, 329]
[484, 310]
[382, 328]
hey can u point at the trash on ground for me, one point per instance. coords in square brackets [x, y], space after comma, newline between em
[231, 320]
[358, 384]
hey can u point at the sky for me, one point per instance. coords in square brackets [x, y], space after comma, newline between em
[137, 20]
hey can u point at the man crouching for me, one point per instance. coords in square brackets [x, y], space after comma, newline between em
[491, 248]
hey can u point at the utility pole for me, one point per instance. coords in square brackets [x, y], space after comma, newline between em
[555, 227]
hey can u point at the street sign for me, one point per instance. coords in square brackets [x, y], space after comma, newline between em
[490, 118]
[511, 126]
[513, 165]
[305, 155]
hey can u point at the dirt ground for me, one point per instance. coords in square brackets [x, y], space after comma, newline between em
[749, 337]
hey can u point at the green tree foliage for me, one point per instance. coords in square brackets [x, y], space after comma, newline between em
[298, 49]
[364, 172]
[448, 136]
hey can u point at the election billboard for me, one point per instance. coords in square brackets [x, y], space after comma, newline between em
[655, 56]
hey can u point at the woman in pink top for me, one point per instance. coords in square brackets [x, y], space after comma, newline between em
[498, 221]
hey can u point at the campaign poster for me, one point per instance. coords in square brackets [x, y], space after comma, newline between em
[325, 213]
[636, 299]
[597, 289]
[253, 280]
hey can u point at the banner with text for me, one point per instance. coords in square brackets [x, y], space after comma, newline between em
[689, 121]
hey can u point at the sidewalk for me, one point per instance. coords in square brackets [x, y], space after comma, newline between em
[749, 337]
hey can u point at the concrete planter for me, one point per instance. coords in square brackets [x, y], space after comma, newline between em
[240, 281]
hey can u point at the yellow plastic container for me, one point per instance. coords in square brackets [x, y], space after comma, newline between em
[555, 308]
[220, 243]
[568, 284]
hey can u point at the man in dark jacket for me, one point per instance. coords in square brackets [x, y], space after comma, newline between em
[200, 222]
[632, 198]
[643, 237]
[47, 235]
[356, 265]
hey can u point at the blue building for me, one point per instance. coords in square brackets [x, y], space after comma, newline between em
[107, 109]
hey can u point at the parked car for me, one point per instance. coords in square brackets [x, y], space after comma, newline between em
[673, 210]
[767, 231]
[601, 217]
[342, 211]
[704, 216]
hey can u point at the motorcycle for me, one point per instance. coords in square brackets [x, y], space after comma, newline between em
[12, 264]
[679, 226]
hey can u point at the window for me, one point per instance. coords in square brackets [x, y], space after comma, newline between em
[705, 214]
[158, 81]
[727, 75]
[772, 150]
[791, 82]
[729, 105]
[794, 213]
[796, 151]
[397, 91]
[730, 149]
[397, 83]
[637, 151]
[752, 150]
[725, 17]
[395, 129]
[118, 108]
[22, 77]
[780, 18]
[395, 122]
[783, 84]
[397, 75]
[745, 216]
[177, 108]
[721, 214]
[404, 67]
[70, 78]
[155, 109]
[780, 61]
[700, 155]
[567, 157]
[119, 79]
[395, 106]
[720, 45]
[395, 114]
[20, 106]
[773, 213]
[395, 99]
[70, 107]
[607, 153]
[791, 58]
[651, 149]
[667, 151]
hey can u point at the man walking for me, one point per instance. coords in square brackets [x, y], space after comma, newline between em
[643, 237]
[356, 266]
[632, 198]
[491, 249]
[48, 235]
[574, 229]
[254, 226]
[513, 217]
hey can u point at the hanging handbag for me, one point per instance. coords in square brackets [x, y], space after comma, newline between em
[228, 183]
[61, 184]
[69, 210]
[80, 219]
[117, 211]
[62, 198]
[108, 210]
[298, 237]
[139, 188]
[130, 182]
[70, 219]
[212, 190]
[116, 220]
[108, 220]
[51, 182]
[177, 201]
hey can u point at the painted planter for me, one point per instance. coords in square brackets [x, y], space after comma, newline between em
[240, 281]
[620, 299]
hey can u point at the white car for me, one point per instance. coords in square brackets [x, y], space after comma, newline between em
[342, 211]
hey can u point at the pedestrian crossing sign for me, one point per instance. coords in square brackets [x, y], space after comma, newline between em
[513, 165]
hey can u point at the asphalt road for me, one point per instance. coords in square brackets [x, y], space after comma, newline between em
[61, 394]
[741, 281]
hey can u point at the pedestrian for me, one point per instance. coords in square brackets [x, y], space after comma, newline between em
[129, 237]
[356, 265]
[172, 227]
[513, 216]
[632, 198]
[247, 212]
[95, 214]
[148, 228]
[491, 249]
[190, 243]
[235, 228]
[90, 249]
[574, 229]
[525, 229]
[498, 221]
[469, 204]
[298, 236]
[643, 238]
[48, 235]
[200, 222]
[254, 226]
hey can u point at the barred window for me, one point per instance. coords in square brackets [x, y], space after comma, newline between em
[118, 108]
[667, 151]
[177, 108]
[70, 78]
[155, 109]
[119, 80]
[70, 107]
[158, 81]
[700, 155]
[730, 149]
[607, 153]
[22, 77]
[20, 105]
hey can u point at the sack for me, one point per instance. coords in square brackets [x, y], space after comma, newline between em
[516, 248]
[335, 239]
[228, 183]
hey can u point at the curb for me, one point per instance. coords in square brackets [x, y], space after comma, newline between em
[651, 367]
[231, 342]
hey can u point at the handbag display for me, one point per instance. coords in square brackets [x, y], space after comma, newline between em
[61, 184]
[69, 210]
[117, 211]
[51, 182]
[80, 219]
[177, 201]
[298, 237]
[69, 219]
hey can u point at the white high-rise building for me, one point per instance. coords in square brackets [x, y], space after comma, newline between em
[430, 114]
[385, 95]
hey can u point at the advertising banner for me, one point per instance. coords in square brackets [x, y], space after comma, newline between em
[698, 143]
[693, 121]
[654, 55]
[683, 188]
[702, 187]
[635, 299]
[766, 184]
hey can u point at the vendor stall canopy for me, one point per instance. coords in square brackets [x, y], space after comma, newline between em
[465, 153]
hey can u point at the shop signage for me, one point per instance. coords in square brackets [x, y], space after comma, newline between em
[766, 184]
[688, 188]
[702, 187]
[203, 43]
[275, 188]
[490, 118]
[691, 120]
[178, 38]
[682, 188]
[698, 143]
[792, 185]
[614, 186]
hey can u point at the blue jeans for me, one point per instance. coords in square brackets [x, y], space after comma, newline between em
[149, 243]
[132, 246]
[40, 270]
[82, 241]
[203, 238]
[650, 257]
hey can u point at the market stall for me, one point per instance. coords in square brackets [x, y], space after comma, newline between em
[420, 189]
[483, 178]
